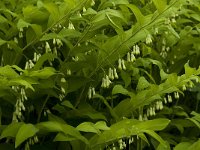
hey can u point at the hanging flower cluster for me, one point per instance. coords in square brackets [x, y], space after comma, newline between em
[19, 106]
[91, 92]
[121, 64]
[31, 141]
[105, 82]
[63, 92]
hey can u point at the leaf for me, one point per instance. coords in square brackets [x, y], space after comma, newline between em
[112, 22]
[129, 127]
[22, 24]
[90, 11]
[11, 130]
[53, 9]
[195, 122]
[188, 70]
[50, 126]
[155, 124]
[118, 89]
[195, 146]
[182, 145]
[64, 137]
[101, 125]
[142, 84]
[43, 73]
[124, 108]
[2, 19]
[160, 5]
[196, 115]
[2, 42]
[67, 129]
[87, 127]
[49, 36]
[55, 118]
[19, 81]
[7, 71]
[139, 16]
[69, 33]
[26, 131]
[67, 104]
[89, 111]
[43, 58]
[126, 77]
[156, 136]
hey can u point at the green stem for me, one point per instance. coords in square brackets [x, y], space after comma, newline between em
[43, 105]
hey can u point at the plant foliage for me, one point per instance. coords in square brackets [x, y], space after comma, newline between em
[99, 74]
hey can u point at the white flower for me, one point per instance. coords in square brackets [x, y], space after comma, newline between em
[71, 26]
[140, 117]
[132, 57]
[123, 65]
[93, 91]
[128, 57]
[148, 39]
[92, 2]
[69, 72]
[115, 73]
[47, 47]
[169, 98]
[156, 31]
[119, 64]
[84, 10]
[90, 93]
[137, 50]
[62, 80]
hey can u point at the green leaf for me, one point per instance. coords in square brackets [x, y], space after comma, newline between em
[129, 127]
[155, 124]
[64, 137]
[101, 125]
[7, 71]
[160, 5]
[50, 126]
[69, 33]
[22, 24]
[2, 19]
[126, 77]
[49, 36]
[142, 84]
[89, 111]
[124, 108]
[90, 11]
[188, 70]
[195, 146]
[42, 59]
[67, 104]
[26, 131]
[11, 130]
[156, 136]
[46, 127]
[182, 145]
[139, 16]
[2, 42]
[43, 73]
[19, 81]
[87, 127]
[195, 122]
[118, 89]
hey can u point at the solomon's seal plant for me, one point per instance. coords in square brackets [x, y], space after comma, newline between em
[99, 74]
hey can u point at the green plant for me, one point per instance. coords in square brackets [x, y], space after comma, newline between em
[84, 74]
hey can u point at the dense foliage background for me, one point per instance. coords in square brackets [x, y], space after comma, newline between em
[99, 74]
